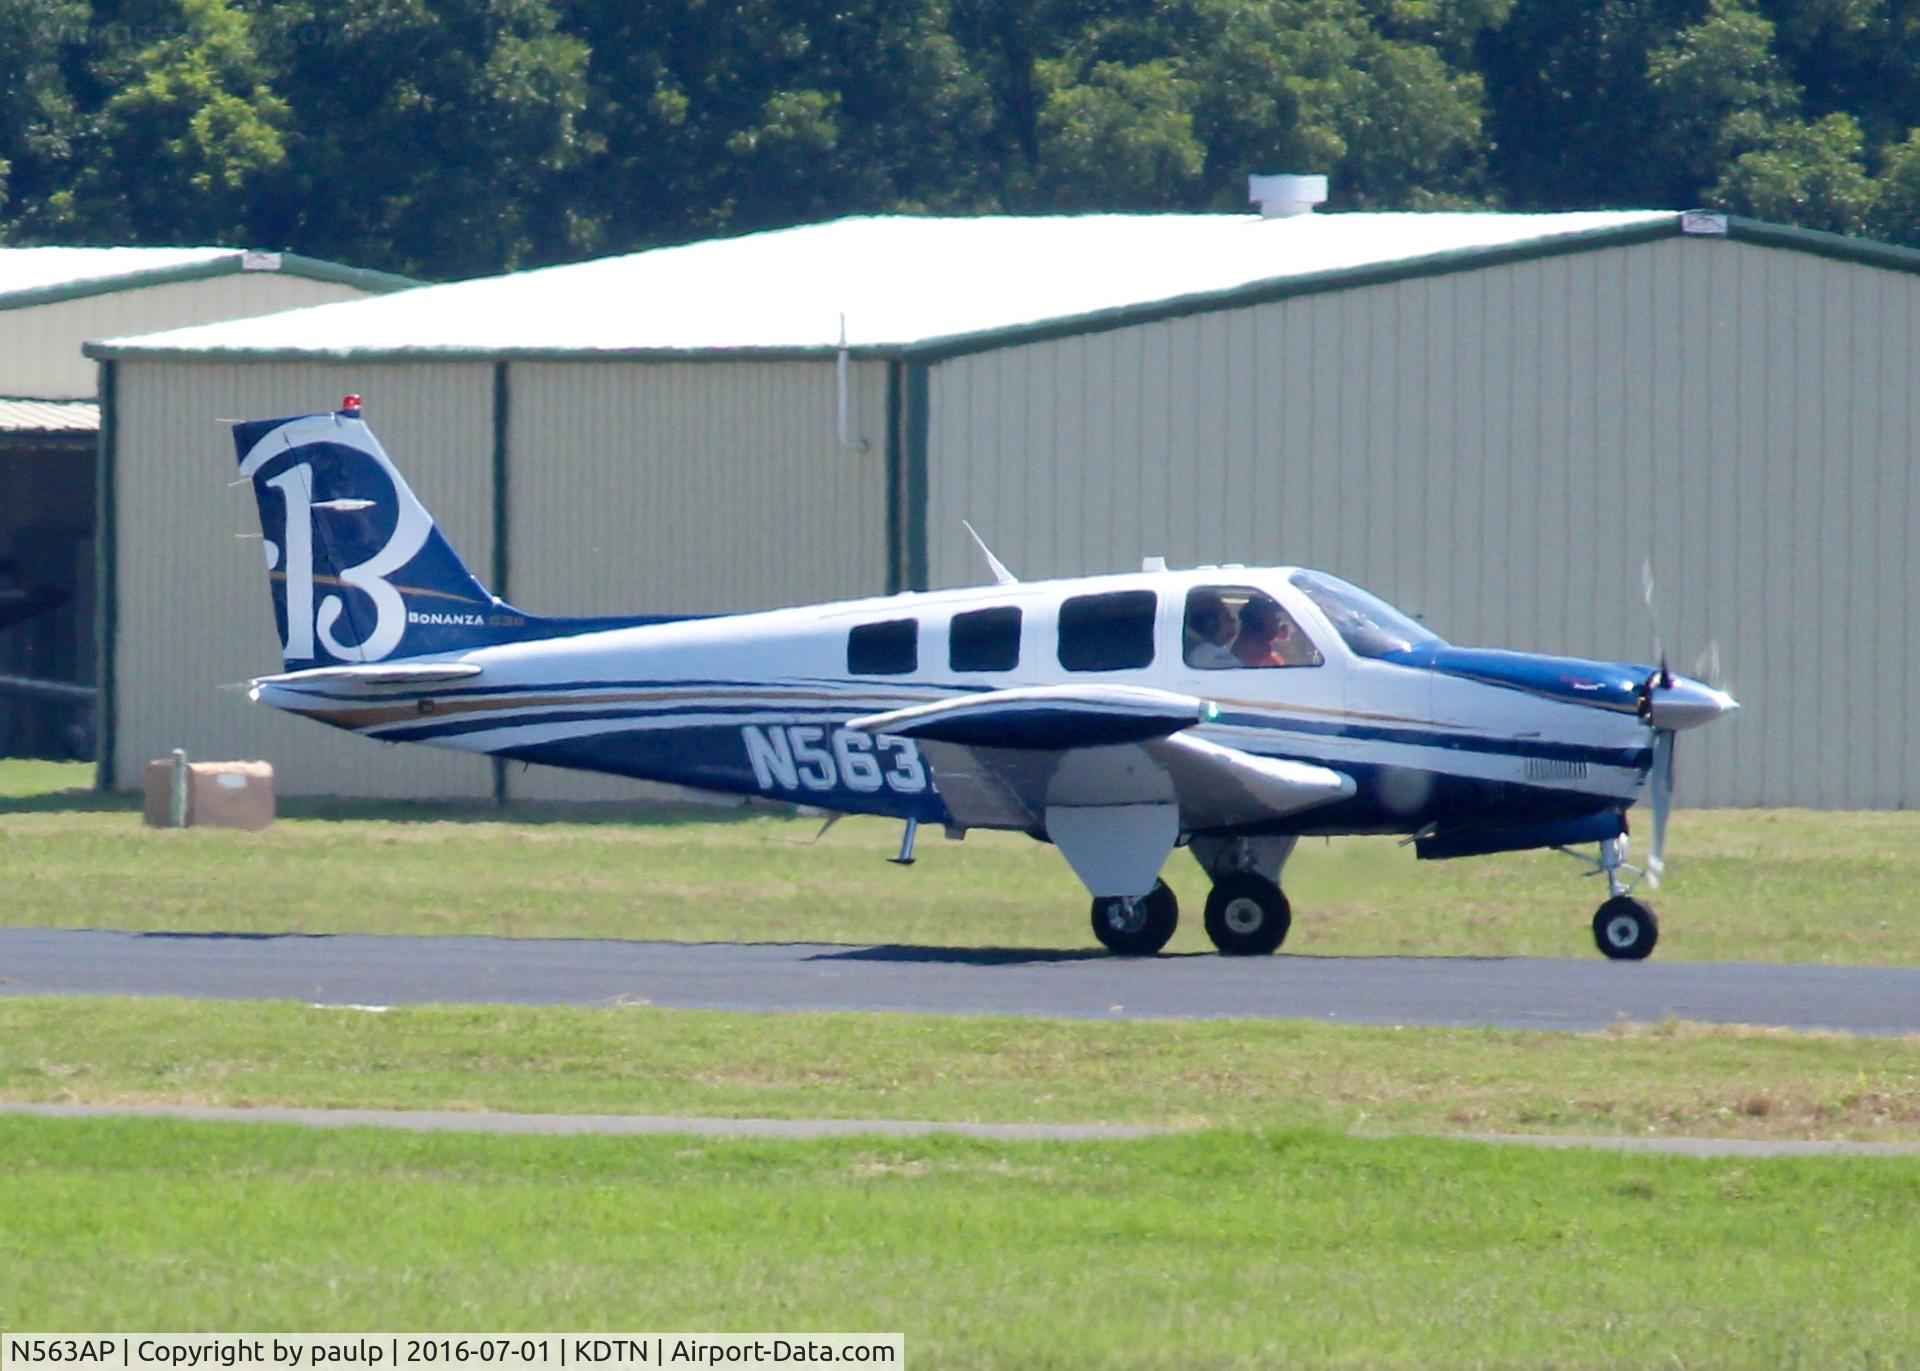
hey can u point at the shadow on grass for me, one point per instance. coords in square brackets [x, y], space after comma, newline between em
[215, 936]
[530, 812]
[70, 802]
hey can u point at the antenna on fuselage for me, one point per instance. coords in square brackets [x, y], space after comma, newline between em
[994, 564]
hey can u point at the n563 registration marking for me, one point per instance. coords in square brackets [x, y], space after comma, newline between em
[815, 757]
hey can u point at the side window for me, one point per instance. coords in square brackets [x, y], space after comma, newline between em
[1234, 627]
[985, 640]
[1107, 632]
[888, 649]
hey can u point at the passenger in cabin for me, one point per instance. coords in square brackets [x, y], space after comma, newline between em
[1267, 637]
[1210, 631]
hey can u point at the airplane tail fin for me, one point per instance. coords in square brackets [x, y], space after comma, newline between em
[359, 570]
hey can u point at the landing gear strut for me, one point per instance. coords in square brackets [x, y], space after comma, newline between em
[1137, 926]
[1624, 929]
[1247, 914]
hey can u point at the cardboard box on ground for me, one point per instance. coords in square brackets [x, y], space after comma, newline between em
[219, 794]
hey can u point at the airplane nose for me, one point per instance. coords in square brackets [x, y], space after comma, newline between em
[1687, 704]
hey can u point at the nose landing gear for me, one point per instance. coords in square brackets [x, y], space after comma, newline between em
[1624, 929]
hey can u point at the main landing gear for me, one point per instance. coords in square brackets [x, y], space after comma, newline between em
[1624, 929]
[1137, 926]
[1247, 915]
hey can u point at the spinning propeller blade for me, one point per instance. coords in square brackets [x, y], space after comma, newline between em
[1661, 781]
[1653, 613]
[1706, 666]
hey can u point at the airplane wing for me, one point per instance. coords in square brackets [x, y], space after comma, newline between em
[378, 673]
[1046, 718]
[1106, 772]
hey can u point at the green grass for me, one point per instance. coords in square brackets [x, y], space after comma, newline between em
[1219, 1249]
[26, 778]
[1261, 1234]
[1263, 1074]
[1762, 886]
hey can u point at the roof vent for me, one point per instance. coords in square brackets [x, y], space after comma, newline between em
[1282, 197]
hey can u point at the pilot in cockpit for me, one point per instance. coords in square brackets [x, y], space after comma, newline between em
[1268, 638]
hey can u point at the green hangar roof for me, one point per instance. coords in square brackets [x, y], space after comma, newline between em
[908, 286]
[48, 275]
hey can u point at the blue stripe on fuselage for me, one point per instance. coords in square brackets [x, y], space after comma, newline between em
[1632, 757]
[712, 757]
[1406, 736]
[1612, 686]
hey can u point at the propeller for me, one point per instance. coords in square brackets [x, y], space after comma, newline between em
[1653, 613]
[1706, 667]
[1670, 704]
[1661, 780]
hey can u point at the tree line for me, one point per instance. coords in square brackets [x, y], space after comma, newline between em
[450, 138]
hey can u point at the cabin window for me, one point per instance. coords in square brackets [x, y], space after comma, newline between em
[1232, 628]
[888, 649]
[1370, 626]
[1107, 632]
[985, 640]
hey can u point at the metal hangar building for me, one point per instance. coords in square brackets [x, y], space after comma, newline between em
[52, 299]
[1493, 420]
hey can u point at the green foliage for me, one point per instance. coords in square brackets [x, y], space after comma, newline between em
[431, 137]
[1802, 173]
[1120, 138]
[1896, 210]
[189, 136]
[744, 114]
[452, 137]
[1720, 87]
[37, 115]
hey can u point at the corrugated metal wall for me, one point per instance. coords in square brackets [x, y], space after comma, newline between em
[40, 344]
[1501, 450]
[193, 612]
[640, 488]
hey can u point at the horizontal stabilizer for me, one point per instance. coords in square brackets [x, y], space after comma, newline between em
[378, 673]
[1044, 718]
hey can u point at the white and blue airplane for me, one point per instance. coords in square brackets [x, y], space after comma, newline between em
[1230, 710]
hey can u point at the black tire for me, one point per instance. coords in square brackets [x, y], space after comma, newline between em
[1247, 915]
[1137, 928]
[1625, 930]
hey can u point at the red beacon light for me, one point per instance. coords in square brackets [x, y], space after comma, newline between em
[350, 407]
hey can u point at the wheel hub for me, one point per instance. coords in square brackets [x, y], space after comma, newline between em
[1243, 915]
[1126, 916]
[1622, 930]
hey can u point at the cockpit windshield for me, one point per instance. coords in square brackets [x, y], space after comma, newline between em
[1371, 626]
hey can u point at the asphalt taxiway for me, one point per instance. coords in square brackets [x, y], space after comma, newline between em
[1505, 992]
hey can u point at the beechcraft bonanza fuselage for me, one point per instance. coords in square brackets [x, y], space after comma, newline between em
[1230, 710]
